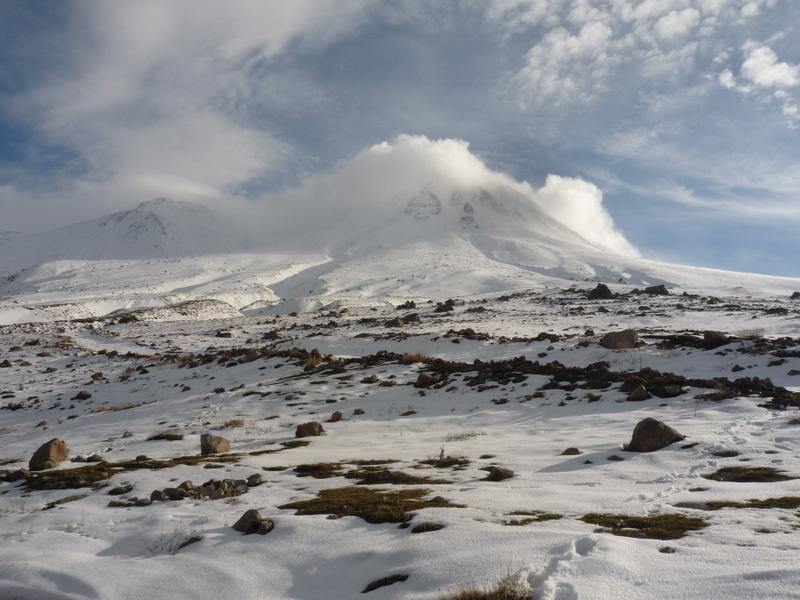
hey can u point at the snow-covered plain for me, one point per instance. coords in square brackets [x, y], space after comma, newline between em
[173, 317]
[84, 548]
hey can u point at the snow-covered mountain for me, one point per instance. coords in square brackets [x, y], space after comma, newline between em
[158, 228]
[415, 219]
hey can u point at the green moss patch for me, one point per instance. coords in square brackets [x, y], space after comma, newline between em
[749, 475]
[785, 502]
[374, 506]
[660, 527]
[528, 517]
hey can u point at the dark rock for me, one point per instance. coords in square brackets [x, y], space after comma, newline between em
[252, 522]
[309, 429]
[82, 395]
[425, 380]
[620, 340]
[631, 383]
[255, 480]
[601, 292]
[639, 394]
[657, 290]
[498, 474]
[120, 489]
[358, 411]
[48, 455]
[335, 417]
[572, 451]
[651, 434]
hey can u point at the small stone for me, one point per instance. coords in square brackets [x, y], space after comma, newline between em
[639, 394]
[252, 522]
[310, 429]
[82, 395]
[358, 411]
[498, 474]
[335, 417]
[255, 480]
[571, 451]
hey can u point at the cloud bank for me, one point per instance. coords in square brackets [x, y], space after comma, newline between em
[376, 185]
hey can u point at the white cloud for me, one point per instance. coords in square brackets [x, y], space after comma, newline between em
[677, 24]
[158, 96]
[762, 67]
[581, 46]
[377, 183]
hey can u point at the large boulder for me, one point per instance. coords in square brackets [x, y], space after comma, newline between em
[49, 455]
[651, 434]
[620, 340]
[601, 292]
[309, 429]
[252, 522]
[213, 444]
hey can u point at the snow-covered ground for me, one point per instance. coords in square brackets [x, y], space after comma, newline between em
[253, 379]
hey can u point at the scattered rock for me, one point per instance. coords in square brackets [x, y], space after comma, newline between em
[620, 340]
[335, 417]
[310, 429]
[82, 395]
[213, 444]
[255, 480]
[358, 411]
[571, 451]
[651, 434]
[657, 290]
[498, 474]
[631, 383]
[425, 380]
[601, 292]
[252, 522]
[49, 455]
[639, 394]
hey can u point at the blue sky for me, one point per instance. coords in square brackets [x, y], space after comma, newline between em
[685, 113]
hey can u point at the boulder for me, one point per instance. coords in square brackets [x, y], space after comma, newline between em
[309, 429]
[714, 339]
[651, 434]
[213, 444]
[252, 522]
[572, 451]
[795, 296]
[335, 417]
[657, 290]
[620, 340]
[425, 380]
[498, 474]
[48, 455]
[601, 292]
[638, 394]
[631, 383]
[255, 480]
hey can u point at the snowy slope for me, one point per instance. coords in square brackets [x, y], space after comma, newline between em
[442, 238]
